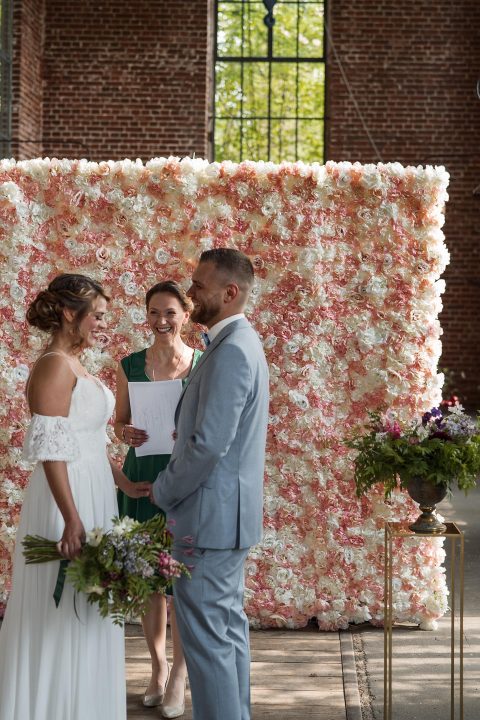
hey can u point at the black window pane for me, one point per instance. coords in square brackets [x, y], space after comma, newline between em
[227, 140]
[255, 89]
[283, 141]
[229, 29]
[256, 33]
[284, 89]
[228, 89]
[311, 30]
[311, 89]
[285, 30]
[310, 141]
[255, 133]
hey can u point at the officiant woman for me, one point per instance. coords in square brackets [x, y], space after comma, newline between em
[168, 358]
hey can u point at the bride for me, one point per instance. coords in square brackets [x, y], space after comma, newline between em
[64, 663]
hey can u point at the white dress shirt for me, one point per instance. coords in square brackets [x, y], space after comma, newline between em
[218, 327]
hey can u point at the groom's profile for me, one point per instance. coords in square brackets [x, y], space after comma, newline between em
[213, 486]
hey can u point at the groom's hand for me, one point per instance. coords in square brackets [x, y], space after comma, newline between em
[150, 496]
[136, 489]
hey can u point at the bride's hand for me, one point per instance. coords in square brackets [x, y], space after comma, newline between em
[72, 539]
[137, 489]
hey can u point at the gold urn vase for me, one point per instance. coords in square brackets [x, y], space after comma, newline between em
[427, 495]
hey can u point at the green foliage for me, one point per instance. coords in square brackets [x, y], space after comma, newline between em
[393, 459]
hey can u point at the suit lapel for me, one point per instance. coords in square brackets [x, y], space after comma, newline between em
[225, 332]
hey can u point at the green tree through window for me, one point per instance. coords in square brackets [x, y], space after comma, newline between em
[269, 80]
[5, 75]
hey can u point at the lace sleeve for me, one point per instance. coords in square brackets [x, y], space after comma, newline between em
[50, 438]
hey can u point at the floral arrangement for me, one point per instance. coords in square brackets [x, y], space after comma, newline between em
[442, 448]
[348, 259]
[118, 570]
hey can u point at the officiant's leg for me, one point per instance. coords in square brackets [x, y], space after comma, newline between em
[154, 624]
[175, 690]
[205, 606]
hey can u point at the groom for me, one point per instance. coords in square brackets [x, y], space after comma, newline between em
[212, 486]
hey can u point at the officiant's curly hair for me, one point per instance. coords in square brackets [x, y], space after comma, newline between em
[170, 287]
[233, 263]
[69, 290]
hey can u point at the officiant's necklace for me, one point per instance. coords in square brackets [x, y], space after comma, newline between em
[175, 372]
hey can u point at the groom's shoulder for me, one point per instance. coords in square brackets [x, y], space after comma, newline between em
[245, 337]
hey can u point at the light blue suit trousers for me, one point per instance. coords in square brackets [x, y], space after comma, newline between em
[214, 628]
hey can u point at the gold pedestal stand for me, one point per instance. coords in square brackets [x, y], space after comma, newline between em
[401, 530]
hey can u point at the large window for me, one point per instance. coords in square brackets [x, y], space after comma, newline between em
[5, 75]
[269, 80]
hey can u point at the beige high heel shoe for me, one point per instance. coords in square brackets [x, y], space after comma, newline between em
[174, 711]
[156, 698]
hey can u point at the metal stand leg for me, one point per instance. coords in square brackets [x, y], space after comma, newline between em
[401, 530]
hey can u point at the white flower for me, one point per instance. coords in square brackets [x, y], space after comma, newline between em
[377, 286]
[94, 537]
[162, 257]
[12, 492]
[137, 316]
[11, 192]
[299, 399]
[269, 342]
[123, 526]
[292, 346]
[94, 589]
[17, 292]
[20, 373]
[456, 409]
[131, 288]
[125, 278]
[284, 575]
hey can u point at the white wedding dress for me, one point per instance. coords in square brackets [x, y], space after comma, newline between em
[53, 664]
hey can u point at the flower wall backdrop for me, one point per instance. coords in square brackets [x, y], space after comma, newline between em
[346, 300]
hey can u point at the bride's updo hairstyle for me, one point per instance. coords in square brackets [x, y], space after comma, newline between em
[70, 290]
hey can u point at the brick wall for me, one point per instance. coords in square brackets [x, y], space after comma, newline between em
[28, 26]
[120, 79]
[413, 67]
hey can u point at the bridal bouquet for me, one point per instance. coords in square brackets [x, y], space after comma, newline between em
[443, 447]
[119, 569]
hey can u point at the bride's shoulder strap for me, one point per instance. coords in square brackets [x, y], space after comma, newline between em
[51, 352]
[55, 352]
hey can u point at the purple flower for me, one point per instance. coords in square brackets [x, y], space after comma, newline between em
[435, 413]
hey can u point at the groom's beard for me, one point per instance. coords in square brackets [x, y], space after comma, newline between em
[204, 313]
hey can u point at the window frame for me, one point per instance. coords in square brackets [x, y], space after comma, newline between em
[269, 59]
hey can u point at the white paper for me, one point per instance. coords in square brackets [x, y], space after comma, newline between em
[153, 409]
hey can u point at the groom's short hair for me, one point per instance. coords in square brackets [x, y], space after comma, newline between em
[233, 263]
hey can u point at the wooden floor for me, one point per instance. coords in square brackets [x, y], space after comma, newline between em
[295, 675]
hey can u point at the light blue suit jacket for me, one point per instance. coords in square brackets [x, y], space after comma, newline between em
[212, 487]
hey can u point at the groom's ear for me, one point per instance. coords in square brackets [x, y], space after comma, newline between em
[231, 292]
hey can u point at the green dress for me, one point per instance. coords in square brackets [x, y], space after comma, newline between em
[142, 469]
